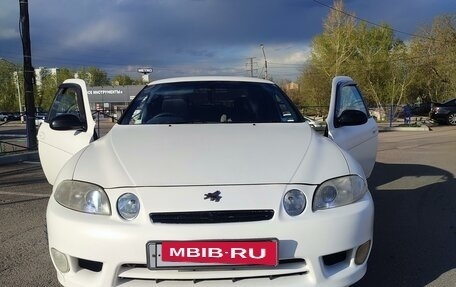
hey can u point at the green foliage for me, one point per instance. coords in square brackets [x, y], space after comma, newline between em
[45, 91]
[63, 74]
[124, 80]
[44, 94]
[434, 59]
[330, 52]
[336, 44]
[377, 65]
[386, 69]
[94, 76]
[8, 86]
[317, 94]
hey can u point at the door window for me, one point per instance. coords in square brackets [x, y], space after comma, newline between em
[350, 98]
[67, 101]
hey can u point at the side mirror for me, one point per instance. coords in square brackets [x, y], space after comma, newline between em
[67, 122]
[351, 118]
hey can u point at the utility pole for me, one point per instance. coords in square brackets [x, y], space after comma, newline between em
[16, 80]
[265, 63]
[251, 66]
[29, 74]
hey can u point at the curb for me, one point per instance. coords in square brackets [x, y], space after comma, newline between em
[19, 157]
[423, 128]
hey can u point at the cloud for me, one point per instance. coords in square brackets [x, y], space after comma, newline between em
[100, 33]
[8, 33]
[178, 37]
[195, 52]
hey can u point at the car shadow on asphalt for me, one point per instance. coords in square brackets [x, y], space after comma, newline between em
[415, 225]
[23, 177]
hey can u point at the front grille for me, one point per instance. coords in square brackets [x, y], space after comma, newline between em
[201, 217]
[130, 273]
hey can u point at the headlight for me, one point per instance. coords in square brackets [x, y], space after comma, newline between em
[294, 202]
[83, 197]
[339, 191]
[128, 206]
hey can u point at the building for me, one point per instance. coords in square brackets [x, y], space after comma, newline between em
[112, 100]
[39, 72]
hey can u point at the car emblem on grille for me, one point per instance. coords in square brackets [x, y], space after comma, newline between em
[213, 196]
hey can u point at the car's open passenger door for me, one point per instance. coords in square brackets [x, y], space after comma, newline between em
[68, 128]
[350, 124]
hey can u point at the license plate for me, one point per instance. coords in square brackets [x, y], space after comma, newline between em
[170, 254]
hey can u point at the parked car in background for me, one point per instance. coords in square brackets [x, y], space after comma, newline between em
[40, 117]
[444, 113]
[3, 116]
[315, 123]
[209, 181]
[421, 109]
[16, 116]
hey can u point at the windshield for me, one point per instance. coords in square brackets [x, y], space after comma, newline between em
[210, 102]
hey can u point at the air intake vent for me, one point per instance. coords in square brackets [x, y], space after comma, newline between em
[201, 217]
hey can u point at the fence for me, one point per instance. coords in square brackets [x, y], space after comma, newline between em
[384, 113]
[11, 142]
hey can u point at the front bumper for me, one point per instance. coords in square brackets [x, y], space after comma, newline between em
[315, 248]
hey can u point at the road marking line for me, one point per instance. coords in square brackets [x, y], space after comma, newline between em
[24, 194]
[31, 162]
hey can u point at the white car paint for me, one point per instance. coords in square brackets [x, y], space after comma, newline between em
[56, 148]
[224, 155]
[170, 168]
[360, 142]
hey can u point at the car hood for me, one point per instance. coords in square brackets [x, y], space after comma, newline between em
[201, 154]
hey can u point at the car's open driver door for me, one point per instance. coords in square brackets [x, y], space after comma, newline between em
[350, 124]
[68, 128]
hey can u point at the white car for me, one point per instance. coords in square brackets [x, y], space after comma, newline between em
[39, 118]
[209, 181]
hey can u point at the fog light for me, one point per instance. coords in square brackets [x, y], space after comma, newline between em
[362, 252]
[128, 206]
[60, 260]
[294, 202]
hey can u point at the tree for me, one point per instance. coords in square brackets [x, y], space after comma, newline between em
[124, 80]
[434, 58]
[315, 91]
[335, 46]
[370, 55]
[65, 73]
[94, 76]
[380, 67]
[45, 91]
[330, 52]
[49, 84]
[10, 78]
[401, 75]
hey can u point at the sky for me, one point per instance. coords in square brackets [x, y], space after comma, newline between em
[191, 37]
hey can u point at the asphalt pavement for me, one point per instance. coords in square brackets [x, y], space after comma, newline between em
[24, 259]
[414, 189]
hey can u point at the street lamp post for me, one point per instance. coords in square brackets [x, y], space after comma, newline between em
[265, 63]
[16, 79]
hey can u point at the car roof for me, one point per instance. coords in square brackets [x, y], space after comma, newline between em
[210, 78]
